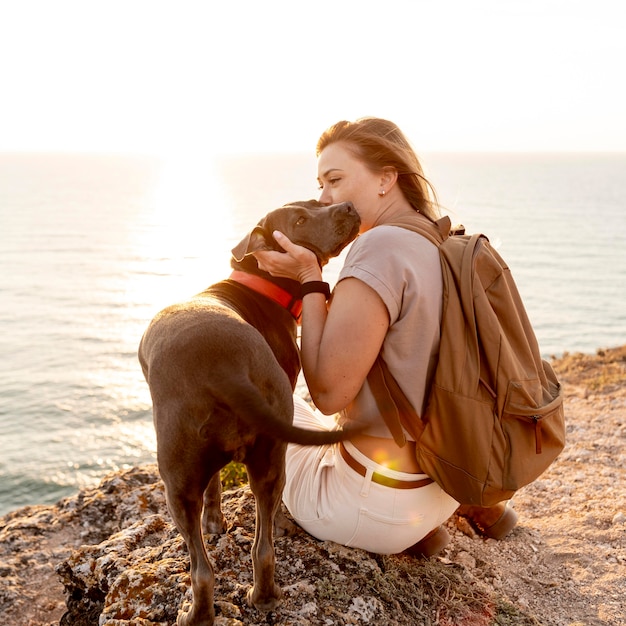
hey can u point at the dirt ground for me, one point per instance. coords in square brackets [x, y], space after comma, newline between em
[566, 560]
[564, 564]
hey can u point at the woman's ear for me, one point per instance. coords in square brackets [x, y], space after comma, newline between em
[388, 177]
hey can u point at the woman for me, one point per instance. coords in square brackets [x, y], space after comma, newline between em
[369, 492]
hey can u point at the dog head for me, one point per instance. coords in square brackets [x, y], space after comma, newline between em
[325, 230]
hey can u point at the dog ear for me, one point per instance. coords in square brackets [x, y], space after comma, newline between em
[253, 241]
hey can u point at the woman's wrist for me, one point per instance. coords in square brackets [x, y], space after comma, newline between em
[310, 274]
[315, 286]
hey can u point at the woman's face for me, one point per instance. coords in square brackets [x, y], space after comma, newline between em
[343, 177]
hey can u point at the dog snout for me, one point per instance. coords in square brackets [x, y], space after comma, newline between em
[346, 213]
[345, 207]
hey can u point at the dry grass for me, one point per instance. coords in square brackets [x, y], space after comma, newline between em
[602, 372]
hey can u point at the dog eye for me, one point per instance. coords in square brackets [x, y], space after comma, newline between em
[300, 221]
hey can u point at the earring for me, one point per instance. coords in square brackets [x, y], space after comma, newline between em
[381, 193]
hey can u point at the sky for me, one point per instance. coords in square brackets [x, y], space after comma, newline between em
[137, 76]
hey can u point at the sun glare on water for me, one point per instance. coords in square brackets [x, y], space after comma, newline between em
[180, 244]
[188, 229]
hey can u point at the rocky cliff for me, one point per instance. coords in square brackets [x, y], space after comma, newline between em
[111, 556]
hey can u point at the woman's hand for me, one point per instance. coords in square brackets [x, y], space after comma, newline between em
[340, 343]
[297, 262]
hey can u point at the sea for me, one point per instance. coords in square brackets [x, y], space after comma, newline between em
[92, 246]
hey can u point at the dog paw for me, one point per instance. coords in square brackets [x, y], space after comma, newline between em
[187, 616]
[283, 526]
[214, 525]
[264, 602]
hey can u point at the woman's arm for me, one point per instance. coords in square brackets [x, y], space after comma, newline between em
[339, 343]
[339, 347]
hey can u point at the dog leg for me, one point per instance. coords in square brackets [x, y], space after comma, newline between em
[266, 471]
[213, 521]
[185, 482]
[186, 512]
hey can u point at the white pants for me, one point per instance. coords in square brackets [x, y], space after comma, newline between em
[332, 501]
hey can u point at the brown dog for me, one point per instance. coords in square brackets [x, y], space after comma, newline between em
[222, 368]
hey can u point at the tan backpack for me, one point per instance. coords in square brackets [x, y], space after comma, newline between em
[494, 417]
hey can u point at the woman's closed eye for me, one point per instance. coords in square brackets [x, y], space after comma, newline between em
[331, 181]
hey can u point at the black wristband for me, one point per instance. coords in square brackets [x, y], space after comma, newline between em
[315, 286]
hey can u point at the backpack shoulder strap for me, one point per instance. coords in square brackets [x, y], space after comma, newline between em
[385, 400]
[393, 405]
[436, 232]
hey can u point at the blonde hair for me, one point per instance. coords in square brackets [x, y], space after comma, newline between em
[379, 143]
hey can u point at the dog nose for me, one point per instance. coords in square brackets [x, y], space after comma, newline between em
[346, 207]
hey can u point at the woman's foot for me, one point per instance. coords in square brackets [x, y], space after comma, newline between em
[433, 543]
[495, 522]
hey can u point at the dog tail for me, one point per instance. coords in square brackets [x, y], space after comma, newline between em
[305, 437]
[254, 409]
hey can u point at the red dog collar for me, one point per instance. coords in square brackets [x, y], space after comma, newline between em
[269, 290]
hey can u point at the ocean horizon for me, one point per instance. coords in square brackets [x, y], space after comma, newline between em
[93, 246]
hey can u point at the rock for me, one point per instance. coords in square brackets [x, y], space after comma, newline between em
[35, 539]
[110, 553]
[119, 561]
[466, 559]
[618, 518]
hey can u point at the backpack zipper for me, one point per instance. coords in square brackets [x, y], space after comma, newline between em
[536, 419]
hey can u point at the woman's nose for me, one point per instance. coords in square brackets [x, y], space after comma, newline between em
[325, 197]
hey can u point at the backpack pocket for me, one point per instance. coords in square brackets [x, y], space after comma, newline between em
[533, 432]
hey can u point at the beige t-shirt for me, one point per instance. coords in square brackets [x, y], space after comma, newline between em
[404, 269]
